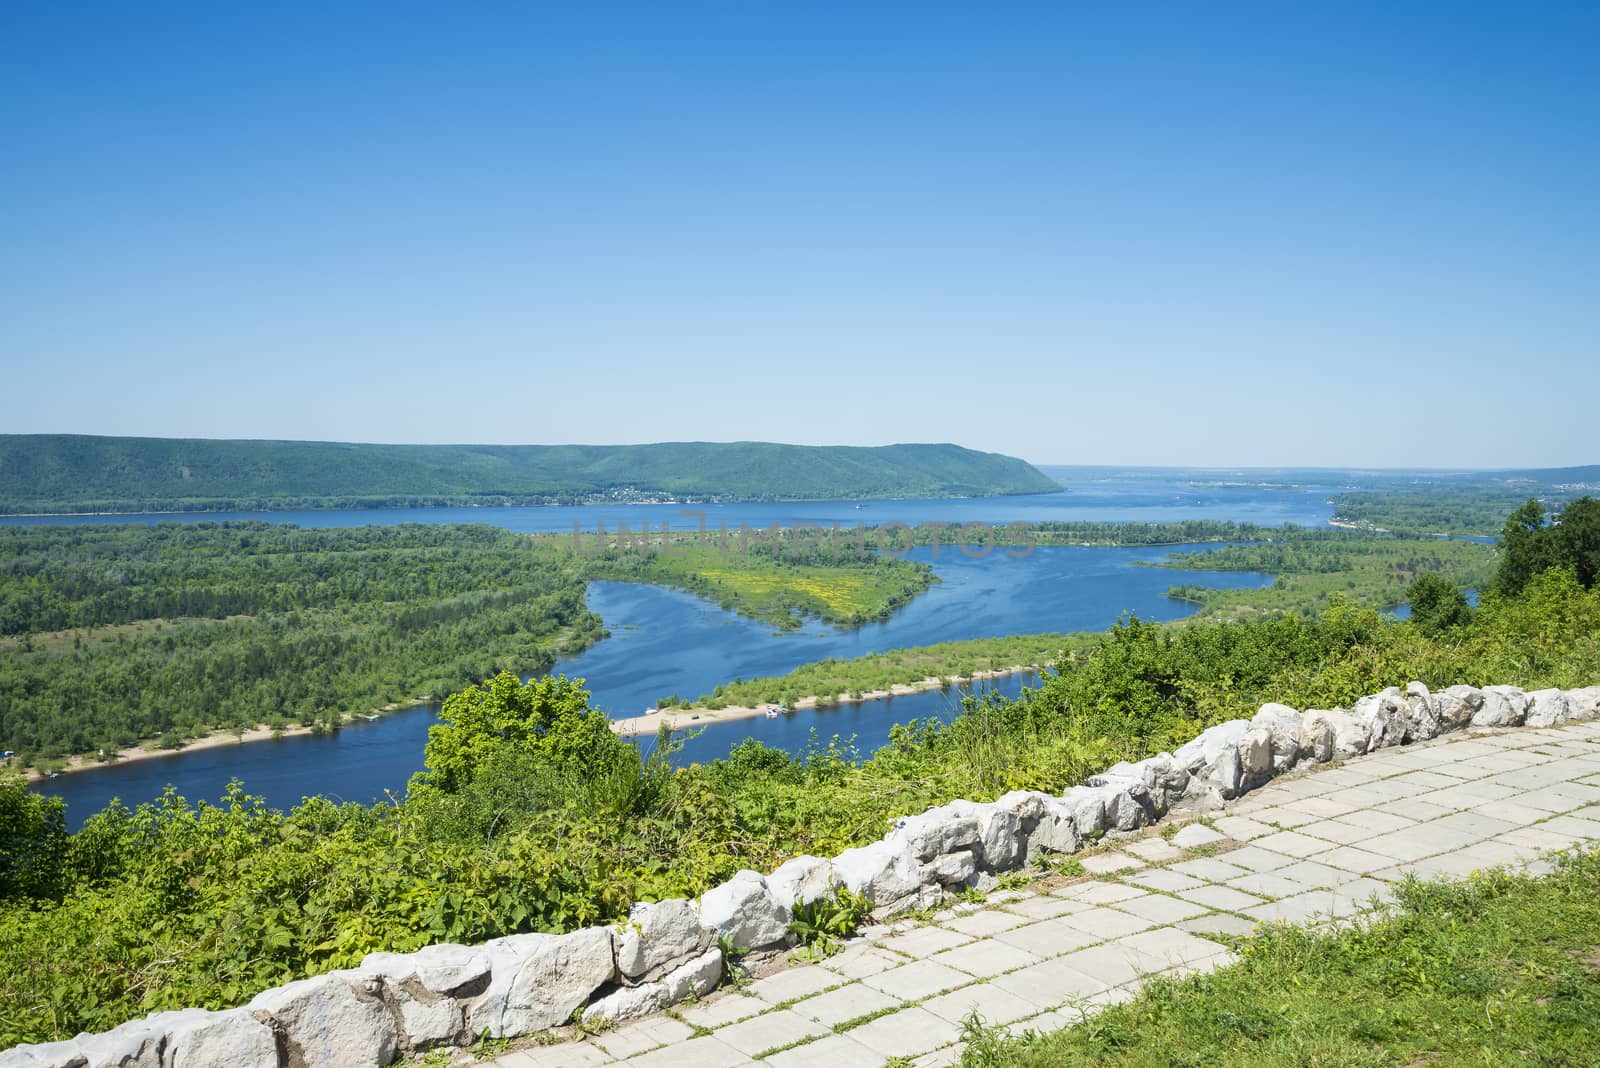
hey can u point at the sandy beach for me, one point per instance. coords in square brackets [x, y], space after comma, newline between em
[698, 716]
[260, 733]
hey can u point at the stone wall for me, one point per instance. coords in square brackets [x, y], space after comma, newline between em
[668, 951]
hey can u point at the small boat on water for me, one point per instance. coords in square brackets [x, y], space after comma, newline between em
[773, 711]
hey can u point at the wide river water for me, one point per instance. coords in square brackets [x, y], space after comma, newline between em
[667, 642]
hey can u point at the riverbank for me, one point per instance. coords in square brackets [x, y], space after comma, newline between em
[702, 716]
[259, 733]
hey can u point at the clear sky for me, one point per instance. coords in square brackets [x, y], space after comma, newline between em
[1192, 233]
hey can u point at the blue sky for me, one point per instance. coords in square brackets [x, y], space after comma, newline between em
[1209, 234]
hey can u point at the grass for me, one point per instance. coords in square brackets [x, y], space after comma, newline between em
[1500, 969]
[841, 588]
[831, 678]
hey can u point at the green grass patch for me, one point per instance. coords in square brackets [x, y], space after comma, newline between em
[833, 678]
[1497, 970]
[780, 577]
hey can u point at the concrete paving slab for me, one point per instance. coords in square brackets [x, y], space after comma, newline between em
[990, 957]
[847, 1003]
[915, 981]
[994, 1004]
[771, 1031]
[1051, 938]
[1221, 897]
[907, 1033]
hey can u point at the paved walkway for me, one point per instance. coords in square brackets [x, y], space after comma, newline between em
[1305, 848]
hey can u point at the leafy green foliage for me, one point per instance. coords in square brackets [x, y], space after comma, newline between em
[548, 720]
[1496, 970]
[822, 925]
[33, 842]
[1437, 605]
[66, 473]
[1532, 543]
[1313, 567]
[127, 633]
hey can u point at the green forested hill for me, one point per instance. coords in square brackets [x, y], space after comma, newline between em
[68, 473]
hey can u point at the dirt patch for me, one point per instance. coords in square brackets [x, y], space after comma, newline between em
[1589, 960]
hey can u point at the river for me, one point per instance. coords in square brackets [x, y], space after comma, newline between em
[668, 642]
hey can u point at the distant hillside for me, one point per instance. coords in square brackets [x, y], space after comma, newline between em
[79, 473]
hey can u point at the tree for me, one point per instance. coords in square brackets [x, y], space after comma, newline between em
[1524, 549]
[1530, 543]
[1437, 605]
[548, 718]
[1578, 534]
[33, 842]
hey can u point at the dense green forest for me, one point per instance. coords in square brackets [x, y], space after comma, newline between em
[50, 473]
[119, 634]
[1315, 566]
[532, 815]
[1461, 504]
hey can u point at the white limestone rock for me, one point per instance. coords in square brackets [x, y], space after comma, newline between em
[803, 880]
[68, 1054]
[1123, 810]
[1255, 758]
[744, 910]
[1349, 737]
[1212, 760]
[137, 1043]
[1547, 708]
[657, 937]
[557, 978]
[1027, 805]
[1000, 839]
[1168, 780]
[537, 980]
[1584, 704]
[886, 872]
[1457, 707]
[951, 868]
[627, 1003]
[1056, 831]
[429, 990]
[1203, 750]
[336, 1020]
[1384, 716]
[231, 1039]
[694, 978]
[1137, 781]
[1316, 737]
[936, 831]
[1042, 820]
[1226, 777]
[1503, 706]
[1422, 713]
[444, 969]
[1088, 808]
[1283, 725]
